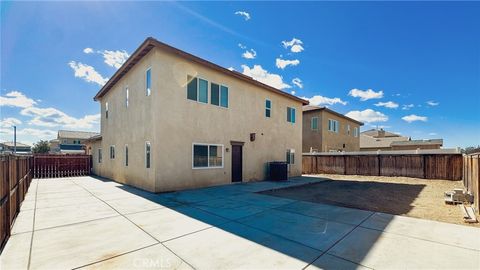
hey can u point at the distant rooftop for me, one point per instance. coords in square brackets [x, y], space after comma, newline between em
[379, 133]
[309, 108]
[420, 142]
[71, 134]
[10, 144]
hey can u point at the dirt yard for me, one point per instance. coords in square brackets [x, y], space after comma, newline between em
[412, 197]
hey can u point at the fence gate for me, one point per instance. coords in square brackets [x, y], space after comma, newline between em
[52, 166]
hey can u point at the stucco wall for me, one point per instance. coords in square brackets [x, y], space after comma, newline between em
[324, 140]
[172, 123]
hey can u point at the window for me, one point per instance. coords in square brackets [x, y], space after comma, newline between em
[333, 125]
[106, 110]
[99, 155]
[355, 132]
[291, 115]
[126, 96]
[126, 154]
[348, 130]
[147, 155]
[148, 82]
[268, 108]
[192, 88]
[112, 151]
[215, 94]
[224, 96]
[202, 91]
[314, 123]
[207, 156]
[291, 156]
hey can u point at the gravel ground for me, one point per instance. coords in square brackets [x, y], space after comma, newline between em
[412, 197]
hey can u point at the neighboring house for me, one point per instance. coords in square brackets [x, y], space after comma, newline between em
[325, 130]
[379, 139]
[69, 141]
[8, 147]
[171, 121]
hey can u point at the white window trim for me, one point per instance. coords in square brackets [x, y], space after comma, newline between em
[219, 95]
[348, 129]
[99, 153]
[294, 111]
[311, 123]
[198, 90]
[110, 152]
[147, 93]
[337, 125]
[127, 96]
[145, 150]
[355, 132]
[106, 109]
[269, 109]
[208, 156]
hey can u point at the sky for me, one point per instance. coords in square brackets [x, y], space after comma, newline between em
[410, 67]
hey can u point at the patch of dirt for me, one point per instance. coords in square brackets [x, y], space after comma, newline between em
[412, 197]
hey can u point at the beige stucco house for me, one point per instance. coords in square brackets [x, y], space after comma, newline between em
[172, 121]
[325, 130]
[71, 142]
[380, 139]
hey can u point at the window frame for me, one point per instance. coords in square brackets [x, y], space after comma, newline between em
[356, 132]
[112, 153]
[106, 109]
[99, 157]
[348, 129]
[148, 164]
[289, 154]
[126, 155]
[316, 121]
[127, 100]
[268, 109]
[208, 156]
[335, 125]
[220, 95]
[148, 91]
[291, 111]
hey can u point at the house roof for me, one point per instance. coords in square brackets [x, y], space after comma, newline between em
[371, 142]
[311, 108]
[10, 144]
[150, 43]
[420, 142]
[95, 138]
[375, 133]
[72, 134]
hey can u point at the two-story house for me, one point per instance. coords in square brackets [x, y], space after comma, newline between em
[171, 120]
[325, 130]
[70, 141]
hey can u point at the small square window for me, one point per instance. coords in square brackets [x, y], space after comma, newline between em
[148, 82]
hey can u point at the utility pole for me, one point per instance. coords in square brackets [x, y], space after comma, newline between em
[14, 139]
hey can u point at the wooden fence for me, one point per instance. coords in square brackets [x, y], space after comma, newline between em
[471, 177]
[52, 166]
[428, 166]
[15, 178]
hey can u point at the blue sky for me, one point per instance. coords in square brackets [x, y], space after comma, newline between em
[412, 67]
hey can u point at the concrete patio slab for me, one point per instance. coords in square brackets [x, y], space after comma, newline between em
[23, 222]
[261, 200]
[16, 252]
[72, 246]
[62, 195]
[309, 231]
[327, 261]
[449, 234]
[58, 202]
[59, 216]
[327, 212]
[165, 223]
[380, 250]
[229, 209]
[235, 246]
[153, 257]
[28, 205]
[133, 204]
[189, 196]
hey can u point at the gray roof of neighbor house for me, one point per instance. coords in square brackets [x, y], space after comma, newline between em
[375, 133]
[420, 142]
[10, 144]
[310, 108]
[371, 142]
[150, 43]
[71, 134]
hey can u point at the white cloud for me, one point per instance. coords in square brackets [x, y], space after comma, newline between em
[297, 82]
[293, 92]
[114, 58]
[407, 107]
[16, 99]
[244, 14]
[88, 73]
[295, 45]
[28, 135]
[368, 116]
[51, 117]
[433, 103]
[432, 134]
[231, 68]
[321, 100]
[9, 122]
[241, 46]
[412, 118]
[389, 104]
[249, 54]
[365, 95]
[262, 75]
[282, 63]
[88, 50]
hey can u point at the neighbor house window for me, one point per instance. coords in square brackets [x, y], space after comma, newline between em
[99, 155]
[112, 151]
[224, 96]
[333, 125]
[290, 115]
[268, 108]
[126, 97]
[348, 129]
[207, 156]
[147, 155]
[106, 109]
[126, 154]
[355, 132]
[314, 123]
[291, 156]
[148, 82]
